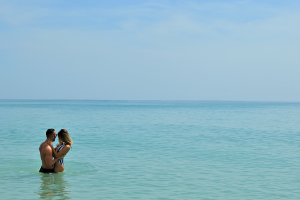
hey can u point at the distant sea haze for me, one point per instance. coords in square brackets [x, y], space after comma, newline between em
[153, 150]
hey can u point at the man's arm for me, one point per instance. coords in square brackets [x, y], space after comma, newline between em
[48, 157]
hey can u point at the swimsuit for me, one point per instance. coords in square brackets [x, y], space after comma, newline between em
[61, 161]
[44, 170]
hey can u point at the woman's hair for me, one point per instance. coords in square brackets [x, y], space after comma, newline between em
[64, 136]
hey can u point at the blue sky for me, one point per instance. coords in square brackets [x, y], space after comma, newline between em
[150, 50]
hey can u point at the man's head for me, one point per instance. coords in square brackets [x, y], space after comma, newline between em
[51, 134]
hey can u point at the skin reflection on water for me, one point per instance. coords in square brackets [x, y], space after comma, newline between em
[54, 186]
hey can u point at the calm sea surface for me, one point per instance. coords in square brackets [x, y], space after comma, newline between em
[153, 150]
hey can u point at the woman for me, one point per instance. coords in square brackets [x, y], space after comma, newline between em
[65, 142]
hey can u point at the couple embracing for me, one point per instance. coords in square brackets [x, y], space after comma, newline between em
[53, 158]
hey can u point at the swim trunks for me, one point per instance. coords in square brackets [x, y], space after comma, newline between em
[44, 170]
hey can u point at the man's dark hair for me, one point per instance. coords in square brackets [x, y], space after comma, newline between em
[49, 132]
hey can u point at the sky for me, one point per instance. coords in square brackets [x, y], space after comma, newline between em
[225, 50]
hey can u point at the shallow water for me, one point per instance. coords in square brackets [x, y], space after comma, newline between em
[153, 150]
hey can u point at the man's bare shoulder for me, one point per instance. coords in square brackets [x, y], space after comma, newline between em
[45, 148]
[41, 146]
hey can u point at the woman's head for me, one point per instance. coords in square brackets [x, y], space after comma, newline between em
[64, 136]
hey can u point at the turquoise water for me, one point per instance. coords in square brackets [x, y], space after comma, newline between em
[153, 150]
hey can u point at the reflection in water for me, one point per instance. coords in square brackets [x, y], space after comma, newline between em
[54, 186]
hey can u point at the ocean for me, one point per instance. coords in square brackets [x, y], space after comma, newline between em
[153, 150]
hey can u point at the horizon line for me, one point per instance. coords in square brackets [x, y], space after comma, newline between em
[273, 101]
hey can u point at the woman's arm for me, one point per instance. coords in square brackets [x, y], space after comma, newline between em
[54, 151]
[62, 152]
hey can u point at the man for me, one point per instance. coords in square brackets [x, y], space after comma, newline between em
[46, 152]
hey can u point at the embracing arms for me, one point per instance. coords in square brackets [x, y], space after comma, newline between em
[48, 157]
[62, 152]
